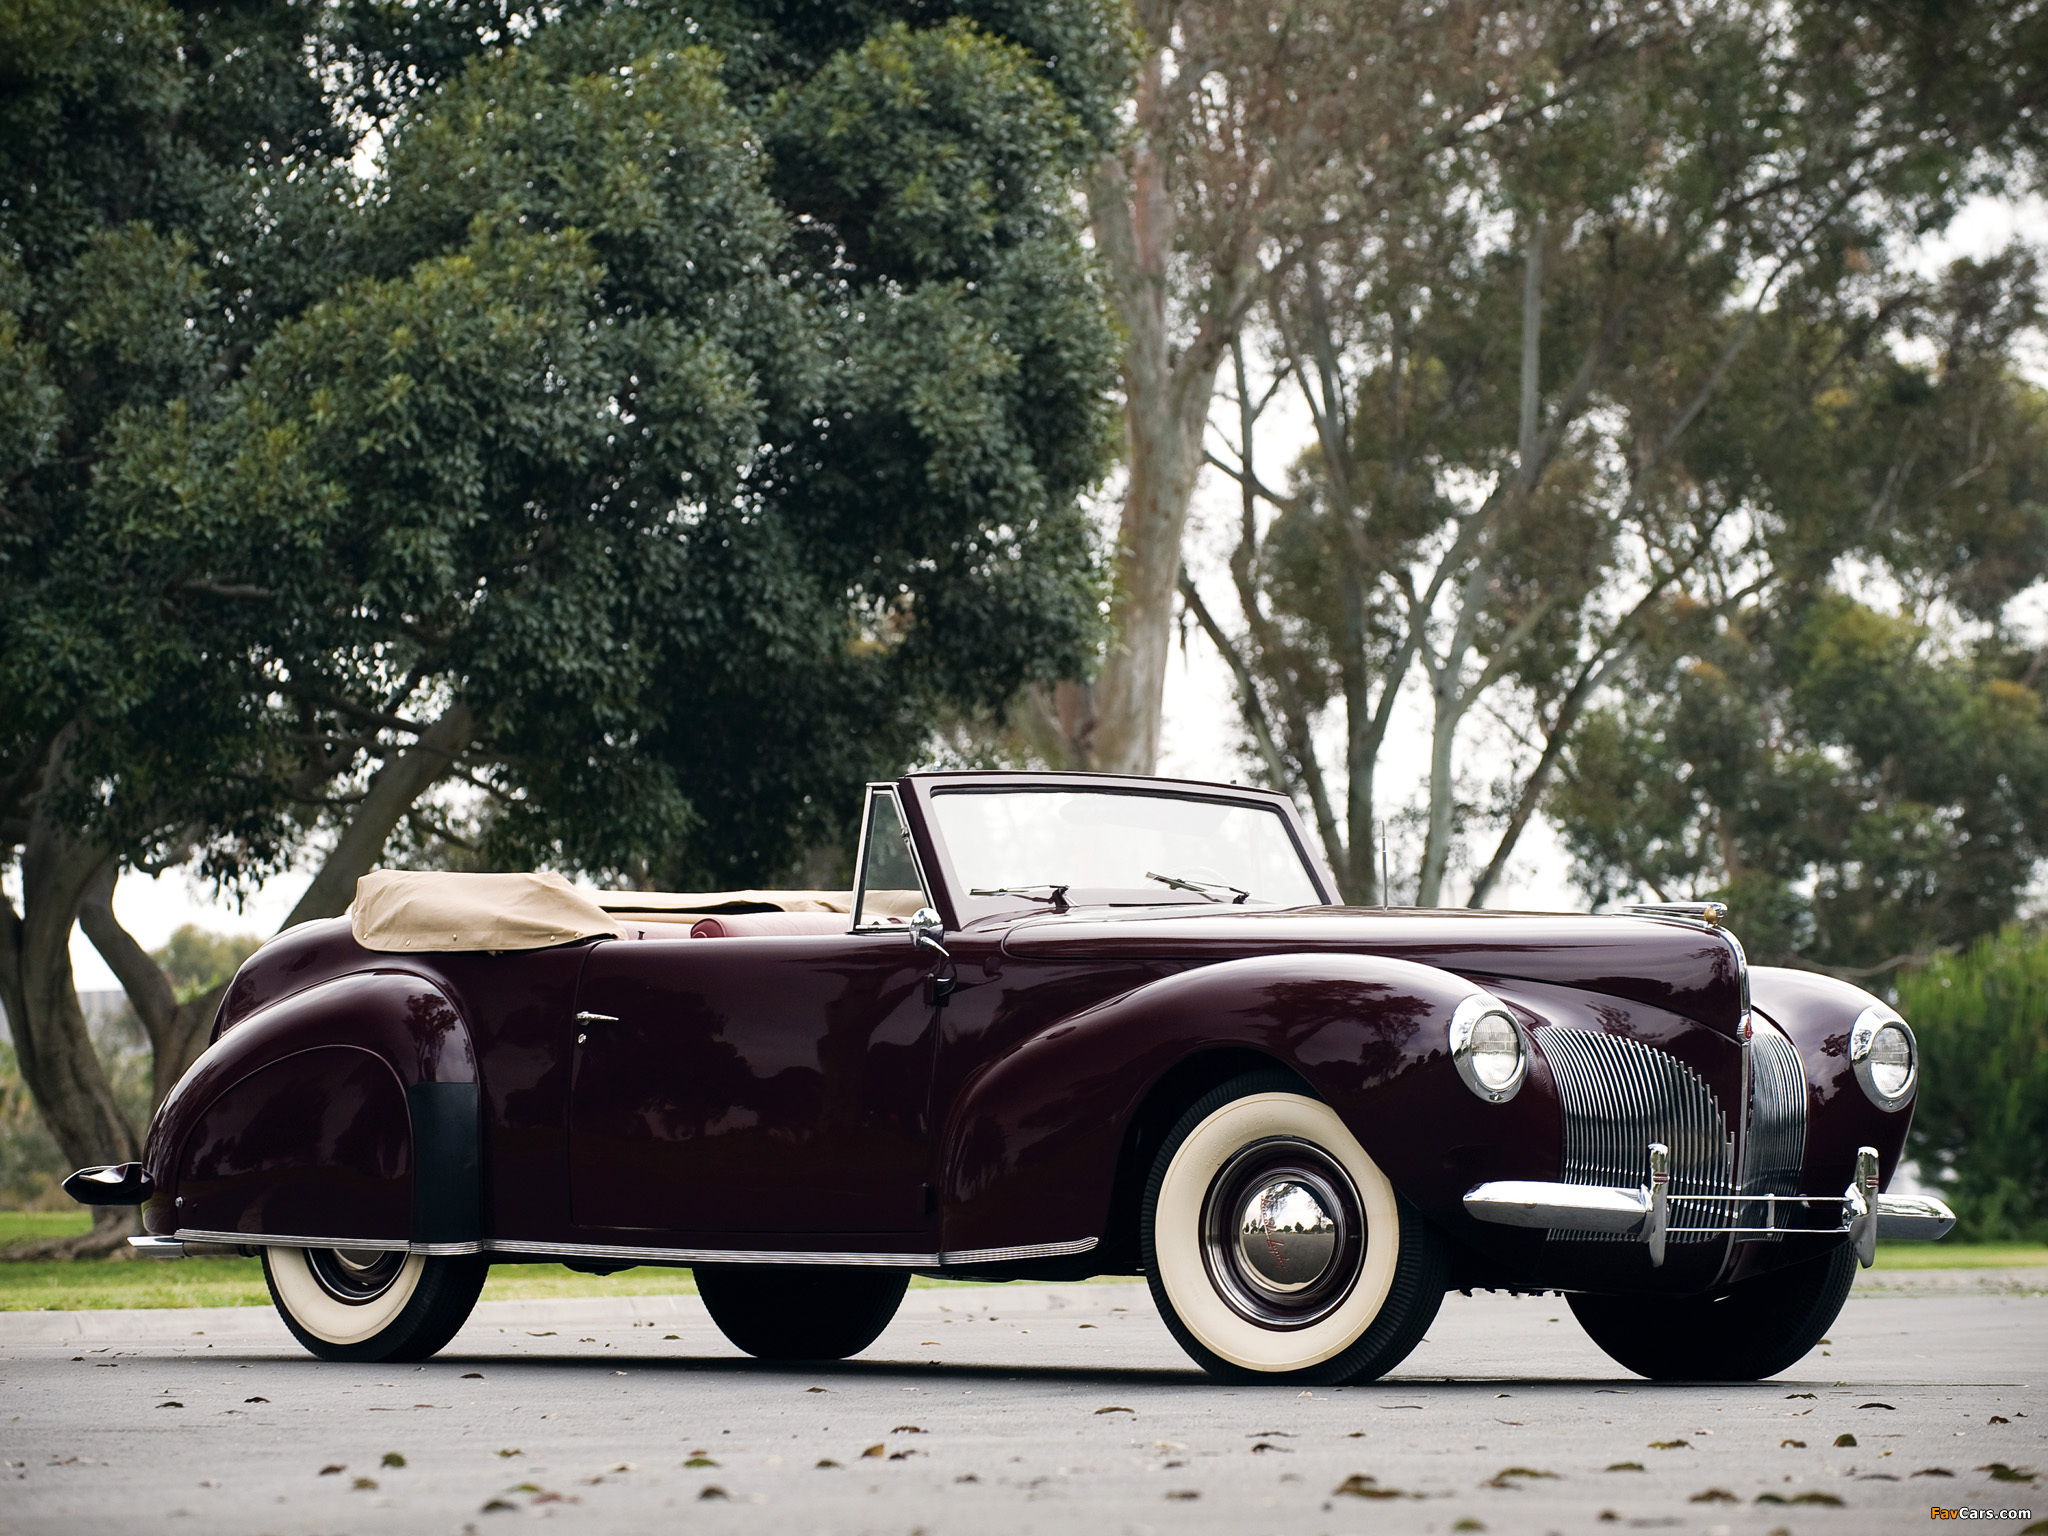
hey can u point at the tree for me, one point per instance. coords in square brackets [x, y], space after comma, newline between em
[1980, 1121]
[1511, 366]
[1248, 123]
[643, 382]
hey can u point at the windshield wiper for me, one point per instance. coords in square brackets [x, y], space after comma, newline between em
[1056, 894]
[1202, 887]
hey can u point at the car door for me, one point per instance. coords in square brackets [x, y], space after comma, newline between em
[737, 1086]
[729, 1088]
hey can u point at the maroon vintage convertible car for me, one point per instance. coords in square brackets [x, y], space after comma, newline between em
[1063, 1025]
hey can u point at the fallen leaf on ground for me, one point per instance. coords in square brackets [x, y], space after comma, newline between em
[1797, 1445]
[1845, 1440]
[1996, 1418]
[365, 1484]
[713, 1491]
[170, 1405]
[393, 1459]
[2001, 1473]
[1625, 1466]
[1714, 1496]
[1360, 1486]
[828, 1462]
[1887, 1406]
[549, 1334]
[906, 1429]
[1790, 1395]
[1828, 1500]
[1183, 1493]
[1670, 1445]
[472, 1375]
[255, 1399]
[876, 1449]
[332, 1468]
[495, 1505]
[511, 1450]
[700, 1461]
[1499, 1479]
[1934, 1472]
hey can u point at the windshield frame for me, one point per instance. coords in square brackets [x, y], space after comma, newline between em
[959, 909]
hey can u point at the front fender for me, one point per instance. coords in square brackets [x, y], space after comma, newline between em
[1815, 1013]
[1030, 1149]
[347, 1110]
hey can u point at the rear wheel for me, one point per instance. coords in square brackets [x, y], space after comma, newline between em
[1275, 1248]
[801, 1311]
[367, 1304]
[1754, 1329]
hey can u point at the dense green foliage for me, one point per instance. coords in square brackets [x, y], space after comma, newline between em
[701, 423]
[1981, 1124]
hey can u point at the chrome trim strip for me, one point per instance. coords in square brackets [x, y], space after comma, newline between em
[157, 1247]
[610, 1251]
[1012, 1255]
[280, 1240]
[687, 1256]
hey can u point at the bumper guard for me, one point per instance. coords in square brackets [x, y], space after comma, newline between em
[1644, 1212]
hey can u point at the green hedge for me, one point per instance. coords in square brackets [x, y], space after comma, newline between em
[1981, 1128]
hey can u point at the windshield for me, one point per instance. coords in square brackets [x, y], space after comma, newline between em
[1102, 845]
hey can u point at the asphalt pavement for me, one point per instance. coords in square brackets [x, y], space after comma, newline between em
[983, 1410]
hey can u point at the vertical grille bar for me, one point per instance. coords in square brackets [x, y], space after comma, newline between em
[1618, 1096]
[1774, 1142]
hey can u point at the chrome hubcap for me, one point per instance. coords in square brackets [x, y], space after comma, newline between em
[1283, 1233]
[1285, 1237]
[354, 1275]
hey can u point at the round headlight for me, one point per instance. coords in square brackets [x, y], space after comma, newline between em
[1882, 1050]
[1487, 1048]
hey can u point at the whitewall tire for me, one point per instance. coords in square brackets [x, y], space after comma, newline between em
[1275, 1247]
[368, 1305]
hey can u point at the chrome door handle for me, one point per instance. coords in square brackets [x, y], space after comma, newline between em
[597, 1018]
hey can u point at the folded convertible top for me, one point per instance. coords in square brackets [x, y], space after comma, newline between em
[428, 910]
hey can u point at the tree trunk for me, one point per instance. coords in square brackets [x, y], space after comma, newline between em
[59, 1063]
[393, 789]
[1166, 412]
[177, 1031]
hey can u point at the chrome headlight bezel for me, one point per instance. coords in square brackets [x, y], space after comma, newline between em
[1863, 1036]
[1465, 1021]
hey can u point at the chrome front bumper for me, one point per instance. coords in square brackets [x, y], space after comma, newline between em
[1645, 1211]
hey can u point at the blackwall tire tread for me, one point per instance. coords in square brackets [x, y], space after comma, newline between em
[1755, 1329]
[1421, 1269]
[801, 1311]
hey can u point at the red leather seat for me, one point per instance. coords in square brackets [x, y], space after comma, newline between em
[757, 925]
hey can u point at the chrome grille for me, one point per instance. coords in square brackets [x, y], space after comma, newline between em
[1617, 1097]
[1774, 1144]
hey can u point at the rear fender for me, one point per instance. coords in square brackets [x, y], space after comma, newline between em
[1032, 1145]
[347, 1110]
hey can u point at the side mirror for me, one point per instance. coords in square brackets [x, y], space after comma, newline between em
[925, 928]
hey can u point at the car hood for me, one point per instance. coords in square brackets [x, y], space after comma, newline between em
[1682, 966]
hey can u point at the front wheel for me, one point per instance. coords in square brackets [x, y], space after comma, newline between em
[369, 1305]
[1756, 1328]
[1275, 1248]
[801, 1311]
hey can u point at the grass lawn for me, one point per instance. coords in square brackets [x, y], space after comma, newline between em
[92, 1284]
